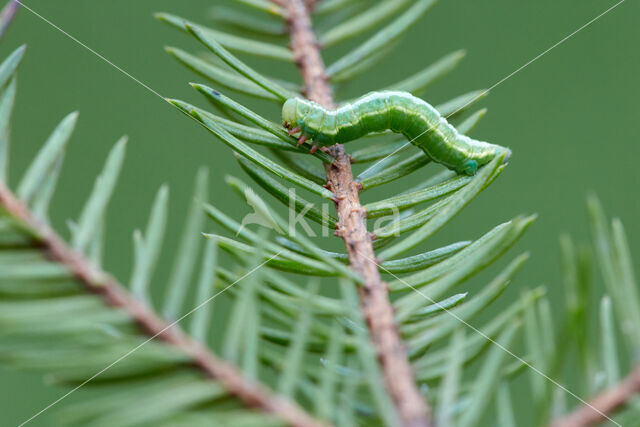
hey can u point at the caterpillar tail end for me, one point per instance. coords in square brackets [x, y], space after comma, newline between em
[507, 155]
[471, 166]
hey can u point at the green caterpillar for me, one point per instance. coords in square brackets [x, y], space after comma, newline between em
[399, 112]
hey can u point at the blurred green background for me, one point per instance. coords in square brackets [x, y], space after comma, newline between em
[571, 119]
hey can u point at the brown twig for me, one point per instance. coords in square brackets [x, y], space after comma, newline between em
[7, 15]
[602, 406]
[113, 293]
[411, 407]
[311, 4]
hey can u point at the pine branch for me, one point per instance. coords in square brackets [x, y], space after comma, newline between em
[102, 284]
[410, 404]
[606, 403]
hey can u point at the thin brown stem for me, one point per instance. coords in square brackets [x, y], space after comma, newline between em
[113, 293]
[410, 405]
[602, 406]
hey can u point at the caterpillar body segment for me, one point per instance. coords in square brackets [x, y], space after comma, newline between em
[399, 112]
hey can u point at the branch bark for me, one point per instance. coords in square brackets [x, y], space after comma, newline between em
[606, 403]
[410, 405]
[114, 294]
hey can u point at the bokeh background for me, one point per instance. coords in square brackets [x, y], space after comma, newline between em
[571, 119]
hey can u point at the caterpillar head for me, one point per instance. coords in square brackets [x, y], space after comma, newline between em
[289, 112]
[294, 111]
